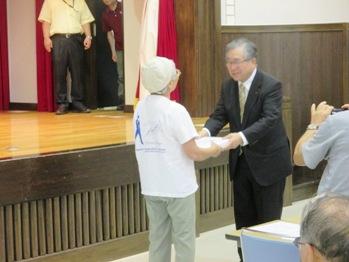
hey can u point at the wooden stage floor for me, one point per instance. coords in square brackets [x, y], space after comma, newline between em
[28, 134]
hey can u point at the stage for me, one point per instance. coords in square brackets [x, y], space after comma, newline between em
[70, 191]
[29, 134]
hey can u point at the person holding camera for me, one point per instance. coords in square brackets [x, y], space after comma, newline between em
[326, 138]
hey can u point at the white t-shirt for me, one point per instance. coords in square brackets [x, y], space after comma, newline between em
[161, 126]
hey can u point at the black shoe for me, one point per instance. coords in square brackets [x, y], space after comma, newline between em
[62, 109]
[120, 107]
[81, 108]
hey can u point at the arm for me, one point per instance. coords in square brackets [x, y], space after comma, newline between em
[318, 115]
[345, 106]
[298, 155]
[111, 41]
[88, 37]
[199, 154]
[219, 118]
[46, 33]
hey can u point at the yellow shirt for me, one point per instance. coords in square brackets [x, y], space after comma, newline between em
[65, 16]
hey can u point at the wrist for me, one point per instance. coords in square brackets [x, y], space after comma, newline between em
[313, 126]
[89, 37]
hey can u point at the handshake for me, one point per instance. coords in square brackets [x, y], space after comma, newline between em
[230, 141]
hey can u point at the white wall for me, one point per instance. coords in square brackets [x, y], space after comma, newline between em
[276, 12]
[22, 50]
[133, 11]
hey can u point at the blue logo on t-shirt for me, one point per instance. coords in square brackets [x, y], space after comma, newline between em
[138, 130]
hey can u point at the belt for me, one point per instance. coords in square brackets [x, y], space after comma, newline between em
[68, 35]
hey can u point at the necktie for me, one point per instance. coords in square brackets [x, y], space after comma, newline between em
[242, 99]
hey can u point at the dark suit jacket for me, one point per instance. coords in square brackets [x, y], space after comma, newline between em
[268, 151]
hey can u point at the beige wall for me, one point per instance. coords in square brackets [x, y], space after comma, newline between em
[22, 50]
[133, 10]
[276, 12]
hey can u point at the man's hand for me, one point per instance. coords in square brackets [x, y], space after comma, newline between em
[216, 149]
[114, 57]
[345, 106]
[235, 140]
[320, 113]
[87, 42]
[203, 133]
[48, 44]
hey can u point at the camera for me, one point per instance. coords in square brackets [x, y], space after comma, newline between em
[337, 110]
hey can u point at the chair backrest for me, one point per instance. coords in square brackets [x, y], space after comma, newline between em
[256, 248]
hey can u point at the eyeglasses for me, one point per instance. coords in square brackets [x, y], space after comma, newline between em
[178, 73]
[236, 62]
[297, 242]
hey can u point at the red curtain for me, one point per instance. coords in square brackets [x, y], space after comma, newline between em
[4, 71]
[44, 68]
[167, 36]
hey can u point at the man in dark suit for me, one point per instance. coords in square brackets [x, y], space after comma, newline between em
[259, 159]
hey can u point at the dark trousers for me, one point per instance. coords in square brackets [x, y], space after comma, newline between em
[255, 204]
[68, 53]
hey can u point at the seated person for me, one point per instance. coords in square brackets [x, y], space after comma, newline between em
[324, 235]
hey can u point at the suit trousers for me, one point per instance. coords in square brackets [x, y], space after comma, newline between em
[120, 71]
[68, 54]
[171, 219]
[253, 203]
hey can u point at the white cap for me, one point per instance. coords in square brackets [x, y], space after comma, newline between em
[157, 73]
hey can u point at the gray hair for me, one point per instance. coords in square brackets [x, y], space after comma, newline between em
[326, 226]
[250, 48]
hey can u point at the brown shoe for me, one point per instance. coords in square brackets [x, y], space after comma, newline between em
[62, 109]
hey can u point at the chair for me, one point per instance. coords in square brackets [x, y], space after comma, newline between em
[258, 247]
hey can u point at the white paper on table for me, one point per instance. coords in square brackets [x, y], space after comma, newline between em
[281, 228]
[205, 142]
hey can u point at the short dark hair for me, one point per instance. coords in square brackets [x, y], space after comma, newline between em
[326, 226]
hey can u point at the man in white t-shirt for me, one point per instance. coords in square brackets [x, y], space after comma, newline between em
[165, 150]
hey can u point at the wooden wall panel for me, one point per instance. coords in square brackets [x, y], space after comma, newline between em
[198, 32]
[2, 235]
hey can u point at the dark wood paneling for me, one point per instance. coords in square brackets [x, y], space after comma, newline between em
[346, 65]
[198, 33]
[106, 251]
[2, 235]
[187, 46]
[61, 174]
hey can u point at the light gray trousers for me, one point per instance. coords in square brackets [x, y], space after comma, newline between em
[171, 220]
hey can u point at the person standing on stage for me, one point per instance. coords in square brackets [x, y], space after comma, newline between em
[165, 149]
[112, 24]
[259, 159]
[66, 30]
